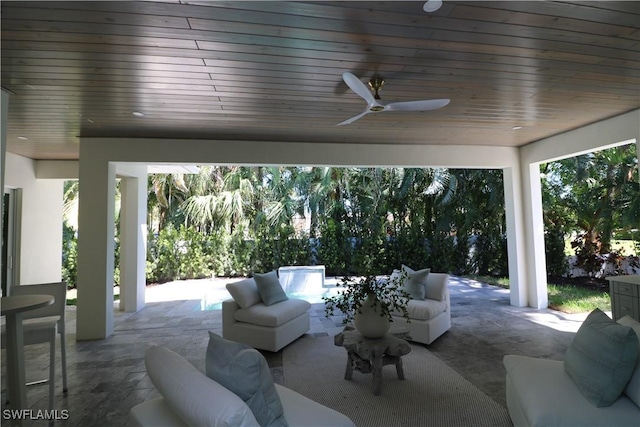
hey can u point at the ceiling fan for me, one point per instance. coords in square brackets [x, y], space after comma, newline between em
[374, 103]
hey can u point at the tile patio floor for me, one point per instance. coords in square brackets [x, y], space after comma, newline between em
[107, 377]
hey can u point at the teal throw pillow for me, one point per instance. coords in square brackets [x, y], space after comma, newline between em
[244, 371]
[416, 282]
[632, 391]
[269, 287]
[601, 358]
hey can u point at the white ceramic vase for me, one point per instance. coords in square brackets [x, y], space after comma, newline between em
[369, 322]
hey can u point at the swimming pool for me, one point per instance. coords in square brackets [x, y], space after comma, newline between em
[212, 300]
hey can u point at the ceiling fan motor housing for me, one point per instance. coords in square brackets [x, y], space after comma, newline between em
[376, 84]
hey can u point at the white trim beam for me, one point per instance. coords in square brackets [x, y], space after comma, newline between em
[252, 153]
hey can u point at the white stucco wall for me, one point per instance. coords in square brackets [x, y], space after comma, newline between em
[39, 226]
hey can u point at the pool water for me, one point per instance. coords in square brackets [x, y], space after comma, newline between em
[213, 300]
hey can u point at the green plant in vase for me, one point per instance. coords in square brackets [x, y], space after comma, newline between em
[369, 302]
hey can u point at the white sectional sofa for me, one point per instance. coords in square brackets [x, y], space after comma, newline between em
[247, 319]
[541, 393]
[190, 398]
[429, 318]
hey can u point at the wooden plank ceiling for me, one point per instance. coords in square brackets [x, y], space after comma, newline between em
[272, 70]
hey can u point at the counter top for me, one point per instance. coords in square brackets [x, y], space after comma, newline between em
[634, 280]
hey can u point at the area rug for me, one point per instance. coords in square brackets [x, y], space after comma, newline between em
[432, 393]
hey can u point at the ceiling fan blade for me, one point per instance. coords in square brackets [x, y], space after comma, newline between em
[358, 87]
[354, 118]
[429, 104]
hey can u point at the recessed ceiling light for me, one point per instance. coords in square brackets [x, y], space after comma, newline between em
[22, 138]
[138, 114]
[432, 5]
[516, 127]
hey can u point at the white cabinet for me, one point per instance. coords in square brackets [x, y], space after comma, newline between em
[625, 296]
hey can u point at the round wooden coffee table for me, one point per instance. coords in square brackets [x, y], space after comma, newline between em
[369, 355]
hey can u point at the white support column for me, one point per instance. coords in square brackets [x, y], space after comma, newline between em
[535, 261]
[516, 248]
[133, 239]
[95, 245]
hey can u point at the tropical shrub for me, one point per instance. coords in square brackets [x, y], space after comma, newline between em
[410, 249]
[490, 255]
[334, 249]
[69, 255]
[441, 253]
[238, 261]
[177, 254]
[554, 243]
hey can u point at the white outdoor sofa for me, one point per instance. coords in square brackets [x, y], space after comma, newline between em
[190, 398]
[541, 393]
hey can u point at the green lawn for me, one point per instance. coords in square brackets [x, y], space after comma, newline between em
[567, 299]
[572, 299]
[72, 295]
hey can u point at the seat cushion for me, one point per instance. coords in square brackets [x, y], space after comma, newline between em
[601, 358]
[244, 292]
[269, 287]
[244, 371]
[272, 315]
[425, 310]
[155, 412]
[189, 392]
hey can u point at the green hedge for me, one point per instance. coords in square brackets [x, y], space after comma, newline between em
[186, 253]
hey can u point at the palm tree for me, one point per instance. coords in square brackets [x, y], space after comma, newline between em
[324, 191]
[221, 196]
[166, 192]
[601, 193]
[284, 189]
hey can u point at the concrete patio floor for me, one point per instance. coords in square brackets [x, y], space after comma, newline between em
[108, 377]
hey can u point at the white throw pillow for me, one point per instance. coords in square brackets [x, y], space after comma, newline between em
[633, 387]
[437, 287]
[195, 398]
[416, 282]
[244, 292]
